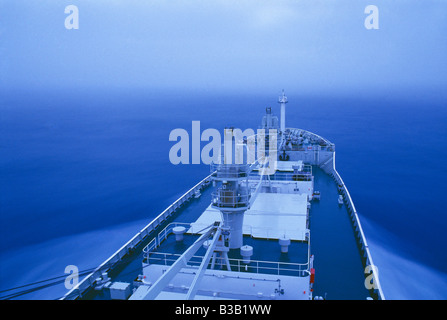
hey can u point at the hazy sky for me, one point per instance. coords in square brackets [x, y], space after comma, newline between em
[310, 46]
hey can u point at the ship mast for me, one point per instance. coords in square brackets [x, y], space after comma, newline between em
[282, 101]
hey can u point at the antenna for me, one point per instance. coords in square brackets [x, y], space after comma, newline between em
[282, 101]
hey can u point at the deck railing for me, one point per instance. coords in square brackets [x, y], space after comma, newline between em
[163, 235]
[227, 198]
[255, 266]
[360, 235]
[229, 171]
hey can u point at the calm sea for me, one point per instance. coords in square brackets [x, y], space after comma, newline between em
[81, 171]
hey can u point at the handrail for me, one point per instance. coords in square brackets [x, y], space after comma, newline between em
[369, 260]
[167, 230]
[230, 171]
[224, 198]
[289, 176]
[303, 267]
[155, 243]
[300, 268]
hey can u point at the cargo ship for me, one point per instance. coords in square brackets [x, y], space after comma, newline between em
[279, 224]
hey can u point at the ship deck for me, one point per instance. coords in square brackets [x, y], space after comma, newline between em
[339, 270]
[272, 215]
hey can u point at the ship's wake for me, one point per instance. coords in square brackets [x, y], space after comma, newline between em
[48, 260]
[401, 277]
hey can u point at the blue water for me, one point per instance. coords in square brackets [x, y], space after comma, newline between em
[81, 171]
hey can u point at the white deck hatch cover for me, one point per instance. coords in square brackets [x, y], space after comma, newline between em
[271, 216]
